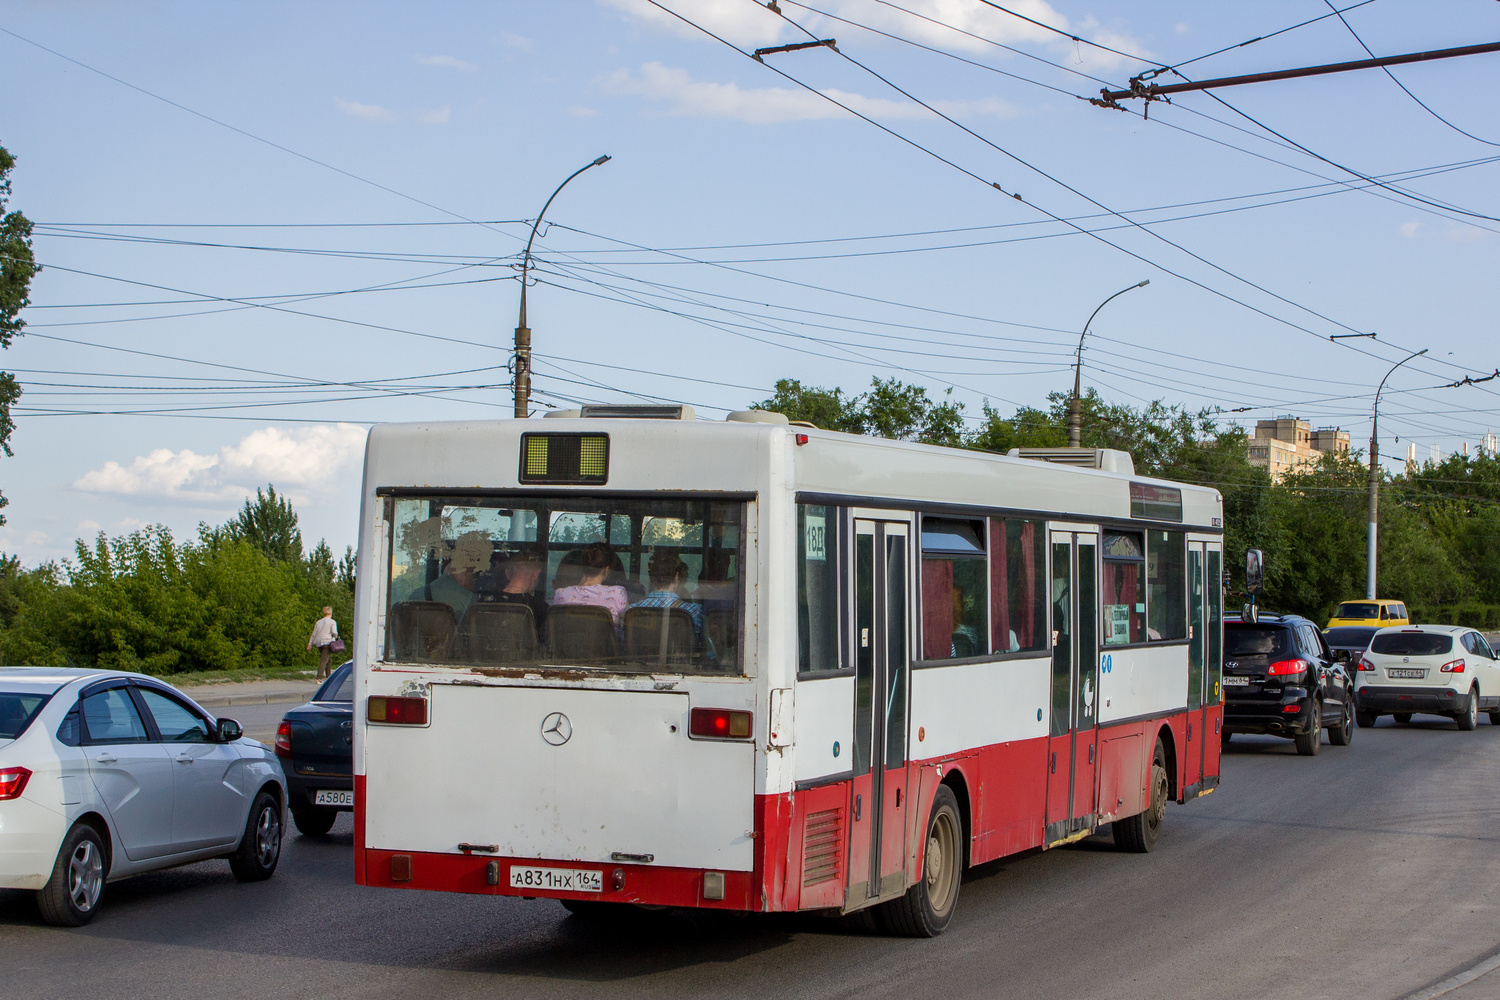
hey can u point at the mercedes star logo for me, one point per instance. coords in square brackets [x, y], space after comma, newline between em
[556, 729]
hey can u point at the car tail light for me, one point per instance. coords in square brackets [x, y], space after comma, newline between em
[1365, 664]
[13, 782]
[284, 739]
[1286, 668]
[1453, 666]
[720, 723]
[397, 711]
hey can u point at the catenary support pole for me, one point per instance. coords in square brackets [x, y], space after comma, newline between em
[523, 332]
[1075, 420]
[1373, 529]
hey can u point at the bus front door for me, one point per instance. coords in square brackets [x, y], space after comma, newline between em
[877, 829]
[1072, 746]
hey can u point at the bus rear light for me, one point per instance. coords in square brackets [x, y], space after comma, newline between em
[284, 739]
[1453, 666]
[396, 711]
[13, 782]
[1286, 668]
[720, 724]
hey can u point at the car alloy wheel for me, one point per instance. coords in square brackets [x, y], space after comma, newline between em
[268, 836]
[85, 876]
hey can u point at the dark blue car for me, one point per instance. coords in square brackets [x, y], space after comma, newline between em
[315, 743]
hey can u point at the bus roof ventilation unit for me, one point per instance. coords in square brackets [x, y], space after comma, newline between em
[612, 411]
[1104, 459]
[758, 417]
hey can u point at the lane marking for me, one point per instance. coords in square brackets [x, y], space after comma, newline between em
[1454, 982]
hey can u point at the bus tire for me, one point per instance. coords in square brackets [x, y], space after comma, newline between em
[1138, 834]
[927, 908]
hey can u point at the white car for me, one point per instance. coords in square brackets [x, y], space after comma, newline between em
[105, 774]
[1437, 669]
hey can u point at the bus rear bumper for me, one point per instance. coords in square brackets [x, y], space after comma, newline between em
[485, 875]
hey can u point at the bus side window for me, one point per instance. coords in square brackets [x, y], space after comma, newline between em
[1018, 583]
[817, 588]
[955, 587]
[1166, 585]
[1124, 590]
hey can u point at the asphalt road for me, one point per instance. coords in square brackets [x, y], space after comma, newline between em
[258, 721]
[1367, 872]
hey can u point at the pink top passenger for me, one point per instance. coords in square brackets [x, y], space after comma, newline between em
[593, 565]
[597, 594]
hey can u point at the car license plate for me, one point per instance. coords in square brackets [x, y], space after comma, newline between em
[558, 879]
[1405, 673]
[333, 797]
[1235, 682]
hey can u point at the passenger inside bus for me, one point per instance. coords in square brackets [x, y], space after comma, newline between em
[668, 575]
[590, 569]
[520, 574]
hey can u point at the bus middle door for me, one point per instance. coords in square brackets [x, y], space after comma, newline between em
[877, 829]
[1072, 747]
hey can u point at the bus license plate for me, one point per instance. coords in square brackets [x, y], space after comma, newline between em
[557, 879]
[1406, 673]
[334, 797]
[1231, 682]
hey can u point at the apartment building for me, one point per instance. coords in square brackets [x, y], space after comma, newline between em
[1285, 443]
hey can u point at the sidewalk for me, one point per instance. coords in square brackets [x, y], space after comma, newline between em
[251, 692]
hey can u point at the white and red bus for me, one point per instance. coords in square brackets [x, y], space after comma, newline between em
[628, 656]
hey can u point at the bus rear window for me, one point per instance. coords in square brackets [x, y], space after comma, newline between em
[637, 585]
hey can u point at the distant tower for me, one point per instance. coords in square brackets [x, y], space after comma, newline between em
[1436, 454]
[1411, 454]
[1490, 442]
[1463, 449]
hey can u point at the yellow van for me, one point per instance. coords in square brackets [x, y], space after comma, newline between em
[1379, 613]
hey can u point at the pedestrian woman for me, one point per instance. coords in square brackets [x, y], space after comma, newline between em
[324, 634]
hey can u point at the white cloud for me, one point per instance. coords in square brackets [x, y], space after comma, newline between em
[447, 62]
[1409, 230]
[301, 462]
[374, 112]
[512, 41]
[956, 25]
[1183, 28]
[684, 95]
[582, 112]
[737, 21]
[88, 529]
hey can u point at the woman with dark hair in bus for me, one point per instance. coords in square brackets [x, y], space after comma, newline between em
[589, 569]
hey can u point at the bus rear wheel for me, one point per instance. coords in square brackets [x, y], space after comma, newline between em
[927, 908]
[1139, 833]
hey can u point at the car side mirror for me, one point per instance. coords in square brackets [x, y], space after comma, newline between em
[1341, 656]
[228, 731]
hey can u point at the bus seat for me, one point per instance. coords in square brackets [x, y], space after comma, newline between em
[580, 632]
[421, 631]
[662, 635]
[720, 626]
[499, 633]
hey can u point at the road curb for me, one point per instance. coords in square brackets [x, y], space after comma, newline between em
[1453, 982]
[273, 698]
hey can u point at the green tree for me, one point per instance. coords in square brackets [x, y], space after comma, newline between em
[269, 524]
[829, 409]
[17, 267]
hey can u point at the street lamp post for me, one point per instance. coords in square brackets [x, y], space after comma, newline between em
[523, 332]
[1075, 427]
[1375, 478]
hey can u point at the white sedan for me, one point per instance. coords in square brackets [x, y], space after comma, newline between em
[106, 774]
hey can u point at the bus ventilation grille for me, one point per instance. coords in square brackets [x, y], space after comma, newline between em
[822, 847]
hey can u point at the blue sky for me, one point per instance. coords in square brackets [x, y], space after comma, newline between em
[266, 226]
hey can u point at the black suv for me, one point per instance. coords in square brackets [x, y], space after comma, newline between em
[1281, 678]
[316, 745]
